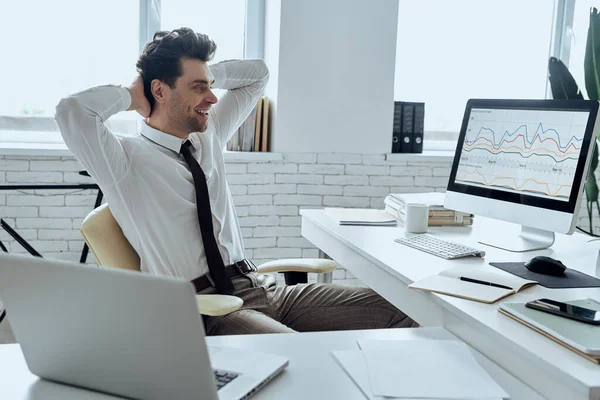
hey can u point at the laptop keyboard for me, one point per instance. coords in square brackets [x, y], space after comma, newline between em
[223, 377]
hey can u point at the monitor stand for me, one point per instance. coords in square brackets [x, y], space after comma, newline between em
[529, 239]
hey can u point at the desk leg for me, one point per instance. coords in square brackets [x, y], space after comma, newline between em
[85, 250]
[328, 276]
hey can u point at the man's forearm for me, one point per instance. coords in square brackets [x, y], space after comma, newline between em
[235, 74]
[245, 82]
[96, 103]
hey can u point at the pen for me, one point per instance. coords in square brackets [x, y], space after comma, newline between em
[462, 278]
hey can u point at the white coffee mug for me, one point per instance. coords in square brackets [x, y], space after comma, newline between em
[417, 218]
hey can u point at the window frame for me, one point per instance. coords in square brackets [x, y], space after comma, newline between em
[149, 19]
[254, 32]
[560, 44]
[559, 47]
[150, 16]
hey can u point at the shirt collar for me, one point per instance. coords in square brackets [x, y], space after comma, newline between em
[164, 139]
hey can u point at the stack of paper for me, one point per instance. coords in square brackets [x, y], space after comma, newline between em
[395, 204]
[361, 216]
[417, 369]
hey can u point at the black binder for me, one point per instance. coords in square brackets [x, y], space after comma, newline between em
[419, 123]
[397, 127]
[407, 128]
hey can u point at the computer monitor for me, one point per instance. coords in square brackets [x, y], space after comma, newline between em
[526, 162]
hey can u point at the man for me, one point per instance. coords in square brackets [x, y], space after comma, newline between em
[168, 191]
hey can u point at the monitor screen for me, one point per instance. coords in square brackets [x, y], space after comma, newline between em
[529, 152]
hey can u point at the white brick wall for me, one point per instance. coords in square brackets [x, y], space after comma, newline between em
[268, 196]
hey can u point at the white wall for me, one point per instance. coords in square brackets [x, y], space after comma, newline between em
[271, 56]
[268, 194]
[335, 76]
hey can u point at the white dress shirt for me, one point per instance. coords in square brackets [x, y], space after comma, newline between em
[148, 185]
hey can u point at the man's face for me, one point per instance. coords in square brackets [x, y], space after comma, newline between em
[191, 98]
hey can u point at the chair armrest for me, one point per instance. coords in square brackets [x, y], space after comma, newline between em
[215, 305]
[315, 265]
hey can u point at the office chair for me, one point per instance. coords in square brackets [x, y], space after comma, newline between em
[105, 239]
[2, 309]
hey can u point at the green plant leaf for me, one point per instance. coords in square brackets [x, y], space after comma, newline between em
[594, 162]
[591, 187]
[562, 83]
[592, 57]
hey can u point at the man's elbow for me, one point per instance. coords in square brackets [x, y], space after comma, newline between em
[261, 70]
[70, 117]
[262, 67]
[65, 107]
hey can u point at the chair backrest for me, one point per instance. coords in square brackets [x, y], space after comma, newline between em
[105, 239]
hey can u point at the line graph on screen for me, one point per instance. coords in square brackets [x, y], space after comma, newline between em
[543, 143]
[522, 151]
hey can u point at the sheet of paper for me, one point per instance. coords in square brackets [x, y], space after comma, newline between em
[354, 364]
[427, 369]
[360, 216]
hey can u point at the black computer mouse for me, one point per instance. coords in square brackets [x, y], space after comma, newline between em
[546, 265]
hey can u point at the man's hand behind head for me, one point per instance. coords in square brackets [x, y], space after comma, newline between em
[139, 102]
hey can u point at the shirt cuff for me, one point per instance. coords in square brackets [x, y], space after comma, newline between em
[125, 98]
[219, 74]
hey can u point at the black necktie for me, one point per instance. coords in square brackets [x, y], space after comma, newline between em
[216, 267]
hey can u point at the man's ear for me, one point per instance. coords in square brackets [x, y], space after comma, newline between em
[158, 90]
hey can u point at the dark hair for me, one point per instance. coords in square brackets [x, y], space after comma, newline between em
[161, 58]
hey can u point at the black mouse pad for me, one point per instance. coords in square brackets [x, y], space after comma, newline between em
[571, 278]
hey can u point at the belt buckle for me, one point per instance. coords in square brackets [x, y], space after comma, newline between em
[245, 266]
[210, 280]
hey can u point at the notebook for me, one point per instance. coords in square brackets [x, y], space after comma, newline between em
[480, 283]
[435, 200]
[361, 216]
[583, 339]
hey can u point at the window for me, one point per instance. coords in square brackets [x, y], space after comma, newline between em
[577, 38]
[450, 51]
[61, 48]
[223, 21]
[66, 46]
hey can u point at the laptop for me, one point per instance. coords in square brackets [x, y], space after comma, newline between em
[122, 332]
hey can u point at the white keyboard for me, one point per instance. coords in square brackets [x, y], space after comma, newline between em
[439, 247]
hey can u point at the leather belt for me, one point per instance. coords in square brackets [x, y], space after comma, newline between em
[241, 267]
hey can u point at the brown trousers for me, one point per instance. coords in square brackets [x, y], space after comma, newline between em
[304, 307]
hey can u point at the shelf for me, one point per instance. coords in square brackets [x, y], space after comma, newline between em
[244, 156]
[34, 149]
[427, 155]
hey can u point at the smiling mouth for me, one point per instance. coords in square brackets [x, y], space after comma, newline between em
[203, 113]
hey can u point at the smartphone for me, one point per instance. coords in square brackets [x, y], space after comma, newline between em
[577, 313]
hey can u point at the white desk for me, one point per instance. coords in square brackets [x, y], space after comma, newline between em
[371, 254]
[312, 373]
